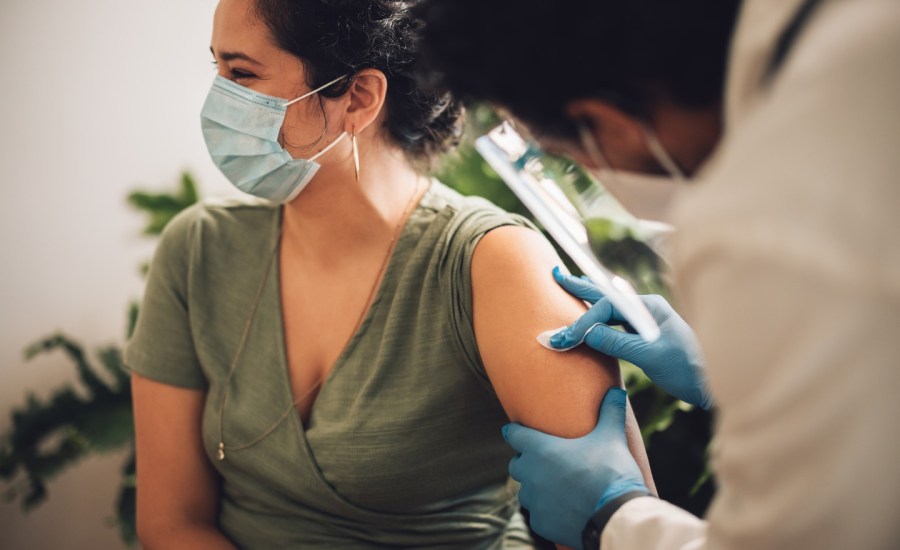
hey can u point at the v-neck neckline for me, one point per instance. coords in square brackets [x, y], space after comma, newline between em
[342, 358]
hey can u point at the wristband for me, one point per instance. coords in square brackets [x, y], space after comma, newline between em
[590, 536]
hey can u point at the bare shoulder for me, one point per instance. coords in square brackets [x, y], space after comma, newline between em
[514, 299]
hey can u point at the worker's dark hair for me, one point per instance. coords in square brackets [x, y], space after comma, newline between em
[534, 56]
[340, 37]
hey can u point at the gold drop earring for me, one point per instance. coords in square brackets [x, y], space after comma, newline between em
[355, 152]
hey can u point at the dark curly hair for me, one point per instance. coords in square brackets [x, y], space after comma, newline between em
[340, 37]
[534, 57]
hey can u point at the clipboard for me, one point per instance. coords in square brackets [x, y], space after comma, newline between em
[518, 163]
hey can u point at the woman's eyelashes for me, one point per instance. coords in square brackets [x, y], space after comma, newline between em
[236, 74]
[239, 74]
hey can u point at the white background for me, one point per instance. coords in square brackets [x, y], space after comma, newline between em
[99, 97]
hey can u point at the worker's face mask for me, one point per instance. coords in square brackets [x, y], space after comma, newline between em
[241, 128]
[646, 196]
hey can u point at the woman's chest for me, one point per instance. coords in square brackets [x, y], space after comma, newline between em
[392, 430]
[321, 311]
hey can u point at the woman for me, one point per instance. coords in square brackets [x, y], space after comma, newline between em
[331, 367]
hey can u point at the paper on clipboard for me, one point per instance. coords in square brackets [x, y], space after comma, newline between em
[510, 156]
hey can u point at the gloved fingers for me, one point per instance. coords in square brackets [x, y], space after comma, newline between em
[545, 337]
[601, 313]
[526, 497]
[615, 343]
[523, 439]
[515, 468]
[659, 307]
[580, 287]
[612, 413]
[537, 521]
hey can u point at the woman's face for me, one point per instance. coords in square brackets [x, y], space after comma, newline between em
[245, 52]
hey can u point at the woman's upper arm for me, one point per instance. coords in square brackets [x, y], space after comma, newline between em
[177, 487]
[515, 298]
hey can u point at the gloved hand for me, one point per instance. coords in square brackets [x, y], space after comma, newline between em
[673, 362]
[566, 481]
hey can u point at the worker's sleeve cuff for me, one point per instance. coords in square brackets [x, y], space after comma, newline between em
[590, 536]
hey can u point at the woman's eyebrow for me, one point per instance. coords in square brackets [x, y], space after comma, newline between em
[228, 56]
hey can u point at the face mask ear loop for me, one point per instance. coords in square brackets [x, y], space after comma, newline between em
[590, 145]
[317, 90]
[325, 128]
[328, 147]
[662, 156]
[355, 153]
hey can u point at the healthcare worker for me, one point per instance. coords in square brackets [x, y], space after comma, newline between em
[779, 123]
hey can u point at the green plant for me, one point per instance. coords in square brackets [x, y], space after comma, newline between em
[49, 436]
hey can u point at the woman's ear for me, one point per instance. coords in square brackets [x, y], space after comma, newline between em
[367, 95]
[613, 129]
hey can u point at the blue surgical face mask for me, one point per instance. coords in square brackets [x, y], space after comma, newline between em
[241, 128]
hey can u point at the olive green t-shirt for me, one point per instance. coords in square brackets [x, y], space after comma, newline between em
[403, 444]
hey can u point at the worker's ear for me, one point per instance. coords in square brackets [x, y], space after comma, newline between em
[613, 128]
[367, 94]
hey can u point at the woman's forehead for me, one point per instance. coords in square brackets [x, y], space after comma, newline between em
[236, 27]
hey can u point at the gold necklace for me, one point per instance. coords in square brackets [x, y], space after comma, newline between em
[221, 448]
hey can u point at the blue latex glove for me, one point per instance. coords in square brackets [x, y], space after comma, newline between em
[673, 362]
[566, 481]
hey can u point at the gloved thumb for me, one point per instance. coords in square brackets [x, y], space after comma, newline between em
[523, 439]
[583, 289]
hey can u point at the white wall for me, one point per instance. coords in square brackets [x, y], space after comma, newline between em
[98, 97]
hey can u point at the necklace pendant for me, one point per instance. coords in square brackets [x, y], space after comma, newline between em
[221, 453]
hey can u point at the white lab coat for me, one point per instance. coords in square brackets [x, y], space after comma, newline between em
[787, 264]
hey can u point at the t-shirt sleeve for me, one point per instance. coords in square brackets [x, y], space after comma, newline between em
[162, 346]
[464, 234]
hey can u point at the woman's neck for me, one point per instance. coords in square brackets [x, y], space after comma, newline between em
[337, 214]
